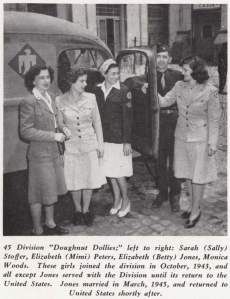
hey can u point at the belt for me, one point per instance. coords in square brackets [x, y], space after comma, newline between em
[168, 111]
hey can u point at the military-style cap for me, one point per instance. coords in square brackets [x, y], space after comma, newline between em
[105, 65]
[162, 48]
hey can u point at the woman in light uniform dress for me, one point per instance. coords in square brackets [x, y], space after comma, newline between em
[81, 122]
[196, 134]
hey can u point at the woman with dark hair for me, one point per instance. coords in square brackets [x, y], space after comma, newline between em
[114, 102]
[196, 134]
[38, 125]
[78, 112]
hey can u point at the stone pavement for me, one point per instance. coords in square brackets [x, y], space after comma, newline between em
[143, 221]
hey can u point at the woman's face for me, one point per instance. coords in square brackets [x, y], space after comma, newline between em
[187, 71]
[112, 76]
[80, 84]
[42, 81]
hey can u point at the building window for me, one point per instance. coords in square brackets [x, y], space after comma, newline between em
[207, 31]
[158, 23]
[108, 10]
[109, 25]
[47, 9]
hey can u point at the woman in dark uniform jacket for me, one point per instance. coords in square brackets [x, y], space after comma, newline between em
[38, 125]
[114, 103]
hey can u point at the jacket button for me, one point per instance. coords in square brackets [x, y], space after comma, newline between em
[79, 136]
[79, 130]
[186, 112]
[187, 106]
[186, 118]
[186, 125]
[78, 124]
[77, 117]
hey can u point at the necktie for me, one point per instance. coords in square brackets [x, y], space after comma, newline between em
[163, 80]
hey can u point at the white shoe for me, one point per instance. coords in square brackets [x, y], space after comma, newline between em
[123, 213]
[114, 211]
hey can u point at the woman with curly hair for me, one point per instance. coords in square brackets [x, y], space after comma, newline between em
[196, 134]
[80, 119]
[39, 125]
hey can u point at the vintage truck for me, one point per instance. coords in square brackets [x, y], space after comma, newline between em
[30, 39]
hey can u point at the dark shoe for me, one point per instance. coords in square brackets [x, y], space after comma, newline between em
[88, 218]
[175, 203]
[192, 223]
[157, 202]
[185, 214]
[57, 230]
[78, 218]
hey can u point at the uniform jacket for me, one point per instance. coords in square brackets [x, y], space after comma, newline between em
[80, 118]
[37, 126]
[171, 77]
[199, 111]
[116, 114]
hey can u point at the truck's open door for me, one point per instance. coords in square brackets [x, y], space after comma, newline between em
[138, 72]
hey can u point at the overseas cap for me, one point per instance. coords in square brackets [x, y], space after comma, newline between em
[162, 48]
[105, 65]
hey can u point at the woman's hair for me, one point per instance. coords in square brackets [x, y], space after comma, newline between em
[198, 67]
[111, 66]
[34, 71]
[73, 76]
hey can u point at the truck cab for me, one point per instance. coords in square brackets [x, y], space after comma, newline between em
[31, 39]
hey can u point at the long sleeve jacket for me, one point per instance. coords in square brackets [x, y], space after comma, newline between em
[116, 114]
[199, 111]
[38, 127]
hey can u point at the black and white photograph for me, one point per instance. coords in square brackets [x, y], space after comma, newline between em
[114, 119]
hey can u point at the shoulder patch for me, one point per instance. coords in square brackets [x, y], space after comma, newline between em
[129, 105]
[129, 95]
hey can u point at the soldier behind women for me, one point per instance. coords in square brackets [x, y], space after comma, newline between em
[168, 185]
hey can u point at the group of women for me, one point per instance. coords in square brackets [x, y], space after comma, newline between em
[97, 143]
[96, 129]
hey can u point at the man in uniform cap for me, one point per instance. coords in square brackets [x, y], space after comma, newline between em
[169, 186]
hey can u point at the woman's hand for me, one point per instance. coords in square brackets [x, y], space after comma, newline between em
[211, 150]
[67, 133]
[59, 137]
[100, 151]
[127, 149]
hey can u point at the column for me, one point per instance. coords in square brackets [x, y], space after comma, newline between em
[224, 16]
[85, 15]
[133, 26]
[143, 9]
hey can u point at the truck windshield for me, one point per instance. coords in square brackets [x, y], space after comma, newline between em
[90, 59]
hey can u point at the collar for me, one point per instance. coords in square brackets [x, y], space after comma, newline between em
[117, 85]
[107, 92]
[39, 96]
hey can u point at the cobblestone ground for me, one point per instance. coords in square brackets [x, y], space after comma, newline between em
[143, 220]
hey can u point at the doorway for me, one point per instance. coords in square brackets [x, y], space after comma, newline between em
[109, 25]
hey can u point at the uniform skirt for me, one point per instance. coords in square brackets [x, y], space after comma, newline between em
[46, 180]
[115, 163]
[83, 171]
[192, 162]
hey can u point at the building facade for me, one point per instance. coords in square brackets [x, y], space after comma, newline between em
[187, 28]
